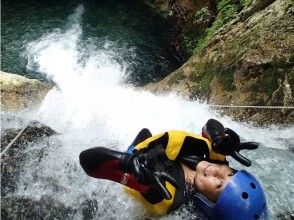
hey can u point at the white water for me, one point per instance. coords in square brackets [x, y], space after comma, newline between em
[91, 106]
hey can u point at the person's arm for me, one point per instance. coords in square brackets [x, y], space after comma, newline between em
[103, 163]
[225, 141]
[196, 148]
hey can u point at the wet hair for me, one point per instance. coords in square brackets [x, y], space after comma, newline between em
[234, 171]
[189, 191]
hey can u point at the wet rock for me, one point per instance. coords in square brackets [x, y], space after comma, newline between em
[32, 132]
[19, 92]
[7, 136]
[256, 6]
[191, 17]
[13, 152]
[15, 207]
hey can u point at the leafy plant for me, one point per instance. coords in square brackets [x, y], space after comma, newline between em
[202, 16]
[228, 10]
[246, 3]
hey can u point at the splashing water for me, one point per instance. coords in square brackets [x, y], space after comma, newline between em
[91, 106]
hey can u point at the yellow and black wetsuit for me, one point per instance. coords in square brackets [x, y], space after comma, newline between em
[108, 164]
[177, 144]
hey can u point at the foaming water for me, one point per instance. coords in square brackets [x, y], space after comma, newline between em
[91, 106]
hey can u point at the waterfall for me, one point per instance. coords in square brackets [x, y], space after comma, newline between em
[91, 105]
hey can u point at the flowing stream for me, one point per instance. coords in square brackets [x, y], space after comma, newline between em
[93, 104]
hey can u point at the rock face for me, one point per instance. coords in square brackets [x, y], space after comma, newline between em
[183, 10]
[13, 152]
[186, 17]
[250, 62]
[12, 167]
[18, 92]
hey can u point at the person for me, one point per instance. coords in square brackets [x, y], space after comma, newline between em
[166, 170]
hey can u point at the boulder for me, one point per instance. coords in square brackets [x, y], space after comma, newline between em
[18, 207]
[19, 92]
[14, 143]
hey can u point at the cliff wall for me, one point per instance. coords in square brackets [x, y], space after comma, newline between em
[249, 61]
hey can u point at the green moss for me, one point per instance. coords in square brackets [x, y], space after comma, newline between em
[201, 88]
[188, 45]
[291, 79]
[224, 67]
[291, 58]
[199, 68]
[202, 16]
[176, 78]
[203, 78]
[206, 71]
[227, 11]
[226, 78]
[274, 71]
[269, 82]
[246, 3]
[203, 41]
[279, 61]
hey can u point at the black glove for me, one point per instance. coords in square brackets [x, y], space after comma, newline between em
[151, 167]
[227, 142]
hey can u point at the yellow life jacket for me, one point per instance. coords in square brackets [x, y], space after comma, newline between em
[175, 143]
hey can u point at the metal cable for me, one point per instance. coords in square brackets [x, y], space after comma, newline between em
[252, 106]
[13, 141]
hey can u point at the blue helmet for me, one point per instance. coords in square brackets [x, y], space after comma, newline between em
[242, 198]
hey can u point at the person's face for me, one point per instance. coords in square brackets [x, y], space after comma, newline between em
[211, 179]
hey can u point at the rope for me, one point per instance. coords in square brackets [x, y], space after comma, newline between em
[252, 106]
[13, 141]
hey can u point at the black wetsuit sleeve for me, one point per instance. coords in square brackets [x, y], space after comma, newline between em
[194, 146]
[195, 150]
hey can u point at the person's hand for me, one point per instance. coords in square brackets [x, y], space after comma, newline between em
[147, 170]
[229, 144]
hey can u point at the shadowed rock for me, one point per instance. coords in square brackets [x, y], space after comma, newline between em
[13, 154]
[15, 207]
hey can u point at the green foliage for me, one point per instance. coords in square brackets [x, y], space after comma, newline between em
[228, 10]
[201, 88]
[202, 16]
[188, 45]
[269, 82]
[226, 79]
[203, 41]
[246, 3]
